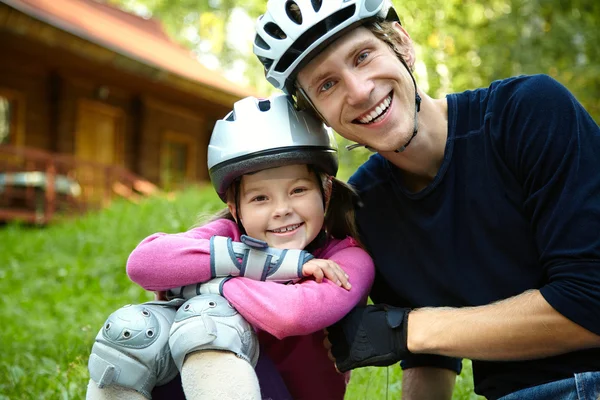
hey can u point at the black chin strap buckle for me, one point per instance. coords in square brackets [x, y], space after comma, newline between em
[356, 145]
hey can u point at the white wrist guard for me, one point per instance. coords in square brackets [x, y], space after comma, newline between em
[254, 259]
[214, 286]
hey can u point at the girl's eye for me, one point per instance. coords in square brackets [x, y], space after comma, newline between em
[298, 190]
[259, 198]
[326, 86]
[362, 56]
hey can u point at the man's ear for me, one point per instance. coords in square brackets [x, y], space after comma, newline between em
[406, 47]
[401, 29]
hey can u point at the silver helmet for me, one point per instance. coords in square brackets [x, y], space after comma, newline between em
[267, 133]
[292, 32]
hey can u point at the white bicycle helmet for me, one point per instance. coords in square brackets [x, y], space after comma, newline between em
[267, 133]
[292, 32]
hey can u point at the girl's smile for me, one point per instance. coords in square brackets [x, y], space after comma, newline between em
[290, 229]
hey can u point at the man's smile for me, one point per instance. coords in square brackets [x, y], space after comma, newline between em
[376, 113]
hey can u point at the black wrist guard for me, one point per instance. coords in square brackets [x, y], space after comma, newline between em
[374, 335]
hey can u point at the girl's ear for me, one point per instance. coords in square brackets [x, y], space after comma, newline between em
[232, 210]
[327, 189]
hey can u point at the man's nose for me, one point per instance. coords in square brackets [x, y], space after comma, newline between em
[359, 88]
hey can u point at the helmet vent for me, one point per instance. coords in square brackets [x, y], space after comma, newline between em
[264, 105]
[275, 31]
[267, 62]
[231, 117]
[316, 4]
[313, 35]
[259, 42]
[293, 12]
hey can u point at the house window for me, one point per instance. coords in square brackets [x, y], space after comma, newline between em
[12, 117]
[6, 121]
[178, 160]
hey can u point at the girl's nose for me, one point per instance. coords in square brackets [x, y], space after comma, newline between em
[282, 209]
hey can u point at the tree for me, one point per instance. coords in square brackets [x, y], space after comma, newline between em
[205, 26]
[467, 44]
[461, 44]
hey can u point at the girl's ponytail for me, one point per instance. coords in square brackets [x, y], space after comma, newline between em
[340, 217]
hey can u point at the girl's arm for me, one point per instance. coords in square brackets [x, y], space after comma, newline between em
[164, 261]
[308, 306]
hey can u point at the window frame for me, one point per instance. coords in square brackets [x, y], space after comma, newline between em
[17, 123]
[191, 150]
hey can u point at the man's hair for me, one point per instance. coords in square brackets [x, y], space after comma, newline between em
[386, 32]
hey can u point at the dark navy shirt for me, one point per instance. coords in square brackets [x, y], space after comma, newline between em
[514, 206]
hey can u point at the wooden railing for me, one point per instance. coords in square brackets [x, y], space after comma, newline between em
[37, 185]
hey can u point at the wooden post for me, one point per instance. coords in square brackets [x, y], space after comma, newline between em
[50, 191]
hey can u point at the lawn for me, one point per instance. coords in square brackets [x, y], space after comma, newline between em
[59, 284]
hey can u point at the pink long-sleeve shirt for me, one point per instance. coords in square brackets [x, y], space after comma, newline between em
[289, 318]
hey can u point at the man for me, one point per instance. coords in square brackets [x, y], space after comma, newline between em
[481, 209]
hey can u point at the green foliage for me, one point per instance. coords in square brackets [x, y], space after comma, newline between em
[468, 44]
[461, 44]
[375, 383]
[60, 283]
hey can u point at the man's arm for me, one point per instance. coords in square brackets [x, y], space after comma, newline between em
[550, 143]
[427, 383]
[519, 328]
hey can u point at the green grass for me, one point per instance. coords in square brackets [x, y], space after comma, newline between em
[59, 283]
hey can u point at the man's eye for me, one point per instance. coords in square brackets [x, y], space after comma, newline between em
[326, 86]
[362, 56]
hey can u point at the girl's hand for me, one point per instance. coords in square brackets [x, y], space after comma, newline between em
[320, 268]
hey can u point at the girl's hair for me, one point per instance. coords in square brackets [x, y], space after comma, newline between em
[340, 215]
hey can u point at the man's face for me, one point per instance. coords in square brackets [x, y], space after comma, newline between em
[362, 90]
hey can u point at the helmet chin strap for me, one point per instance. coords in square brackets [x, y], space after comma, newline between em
[416, 120]
[310, 103]
[417, 109]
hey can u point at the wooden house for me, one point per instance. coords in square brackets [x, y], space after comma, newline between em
[101, 99]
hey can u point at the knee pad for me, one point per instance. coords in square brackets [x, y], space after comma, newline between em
[132, 348]
[209, 322]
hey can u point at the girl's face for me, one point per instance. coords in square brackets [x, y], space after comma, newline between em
[282, 206]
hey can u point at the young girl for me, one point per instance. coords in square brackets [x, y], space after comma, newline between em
[287, 219]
